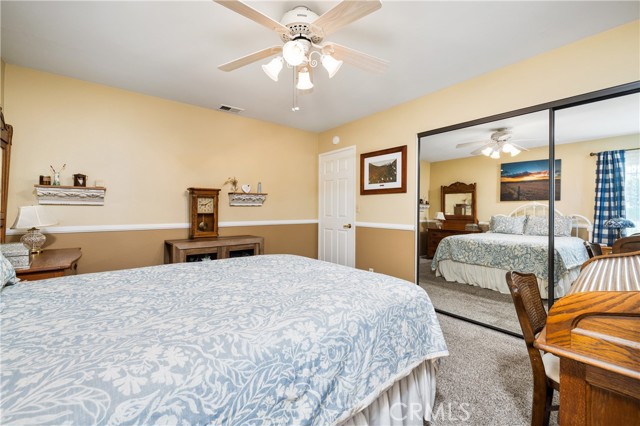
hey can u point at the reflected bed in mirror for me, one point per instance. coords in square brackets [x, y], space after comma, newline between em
[450, 154]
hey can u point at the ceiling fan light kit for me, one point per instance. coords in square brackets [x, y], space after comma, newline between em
[499, 142]
[302, 32]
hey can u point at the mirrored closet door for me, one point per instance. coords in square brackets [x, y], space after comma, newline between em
[484, 200]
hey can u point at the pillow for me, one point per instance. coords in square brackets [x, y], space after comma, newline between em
[562, 226]
[538, 225]
[7, 272]
[507, 224]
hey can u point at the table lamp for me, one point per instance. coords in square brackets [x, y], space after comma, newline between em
[440, 217]
[32, 218]
[619, 223]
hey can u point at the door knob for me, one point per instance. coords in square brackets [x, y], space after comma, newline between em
[347, 226]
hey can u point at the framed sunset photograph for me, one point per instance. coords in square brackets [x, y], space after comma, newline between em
[528, 181]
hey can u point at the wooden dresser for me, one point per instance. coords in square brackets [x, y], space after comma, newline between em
[434, 236]
[194, 250]
[595, 330]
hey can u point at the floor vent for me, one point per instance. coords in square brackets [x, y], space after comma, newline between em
[229, 108]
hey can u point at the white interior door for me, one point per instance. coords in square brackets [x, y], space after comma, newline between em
[337, 227]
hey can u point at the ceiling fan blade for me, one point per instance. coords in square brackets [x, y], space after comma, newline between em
[354, 57]
[256, 16]
[478, 151]
[343, 14]
[472, 143]
[521, 148]
[253, 57]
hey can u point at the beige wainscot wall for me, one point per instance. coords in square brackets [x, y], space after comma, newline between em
[148, 151]
[601, 61]
[577, 180]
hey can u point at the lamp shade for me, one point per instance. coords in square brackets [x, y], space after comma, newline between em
[304, 80]
[440, 216]
[295, 52]
[33, 217]
[273, 68]
[331, 64]
[619, 223]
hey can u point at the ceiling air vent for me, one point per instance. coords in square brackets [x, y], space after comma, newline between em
[229, 108]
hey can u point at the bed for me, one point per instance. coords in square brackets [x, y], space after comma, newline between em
[516, 242]
[272, 339]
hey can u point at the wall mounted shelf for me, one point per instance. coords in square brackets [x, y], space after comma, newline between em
[70, 195]
[249, 199]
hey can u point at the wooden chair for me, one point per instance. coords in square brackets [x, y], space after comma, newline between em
[593, 249]
[546, 368]
[626, 244]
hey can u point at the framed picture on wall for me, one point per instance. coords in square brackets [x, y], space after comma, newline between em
[528, 180]
[384, 172]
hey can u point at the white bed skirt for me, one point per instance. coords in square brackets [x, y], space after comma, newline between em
[494, 279]
[406, 403]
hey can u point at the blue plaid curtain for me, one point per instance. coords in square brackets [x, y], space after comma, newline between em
[609, 194]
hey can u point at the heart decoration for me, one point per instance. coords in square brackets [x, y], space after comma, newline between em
[246, 188]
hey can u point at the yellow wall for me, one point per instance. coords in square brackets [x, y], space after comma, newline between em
[2, 64]
[149, 150]
[577, 176]
[605, 60]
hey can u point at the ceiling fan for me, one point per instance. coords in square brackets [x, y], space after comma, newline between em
[499, 142]
[302, 31]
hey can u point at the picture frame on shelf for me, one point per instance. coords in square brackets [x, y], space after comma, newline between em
[384, 171]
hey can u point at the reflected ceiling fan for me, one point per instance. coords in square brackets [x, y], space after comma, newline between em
[302, 31]
[499, 142]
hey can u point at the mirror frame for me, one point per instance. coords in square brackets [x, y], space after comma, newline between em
[6, 133]
[551, 107]
[459, 188]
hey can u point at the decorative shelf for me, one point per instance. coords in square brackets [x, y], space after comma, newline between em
[249, 199]
[71, 195]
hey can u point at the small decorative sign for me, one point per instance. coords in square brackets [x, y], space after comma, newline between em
[70, 195]
[246, 200]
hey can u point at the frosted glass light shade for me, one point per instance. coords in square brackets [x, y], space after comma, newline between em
[304, 80]
[273, 68]
[331, 64]
[440, 216]
[294, 52]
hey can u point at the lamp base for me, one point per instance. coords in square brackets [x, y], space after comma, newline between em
[33, 240]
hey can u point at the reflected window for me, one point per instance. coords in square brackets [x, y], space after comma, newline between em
[632, 189]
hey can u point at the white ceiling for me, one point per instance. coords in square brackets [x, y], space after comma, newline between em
[597, 120]
[171, 49]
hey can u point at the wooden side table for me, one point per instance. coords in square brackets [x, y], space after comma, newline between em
[50, 264]
[193, 250]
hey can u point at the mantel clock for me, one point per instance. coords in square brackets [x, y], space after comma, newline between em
[203, 216]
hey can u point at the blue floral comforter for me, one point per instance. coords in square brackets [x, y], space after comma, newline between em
[262, 340]
[522, 253]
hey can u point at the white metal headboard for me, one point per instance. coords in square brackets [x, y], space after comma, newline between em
[534, 208]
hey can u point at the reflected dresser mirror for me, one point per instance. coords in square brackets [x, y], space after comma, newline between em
[458, 202]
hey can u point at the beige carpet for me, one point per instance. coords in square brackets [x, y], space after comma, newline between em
[478, 304]
[486, 379]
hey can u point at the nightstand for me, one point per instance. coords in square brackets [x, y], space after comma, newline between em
[434, 236]
[50, 264]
